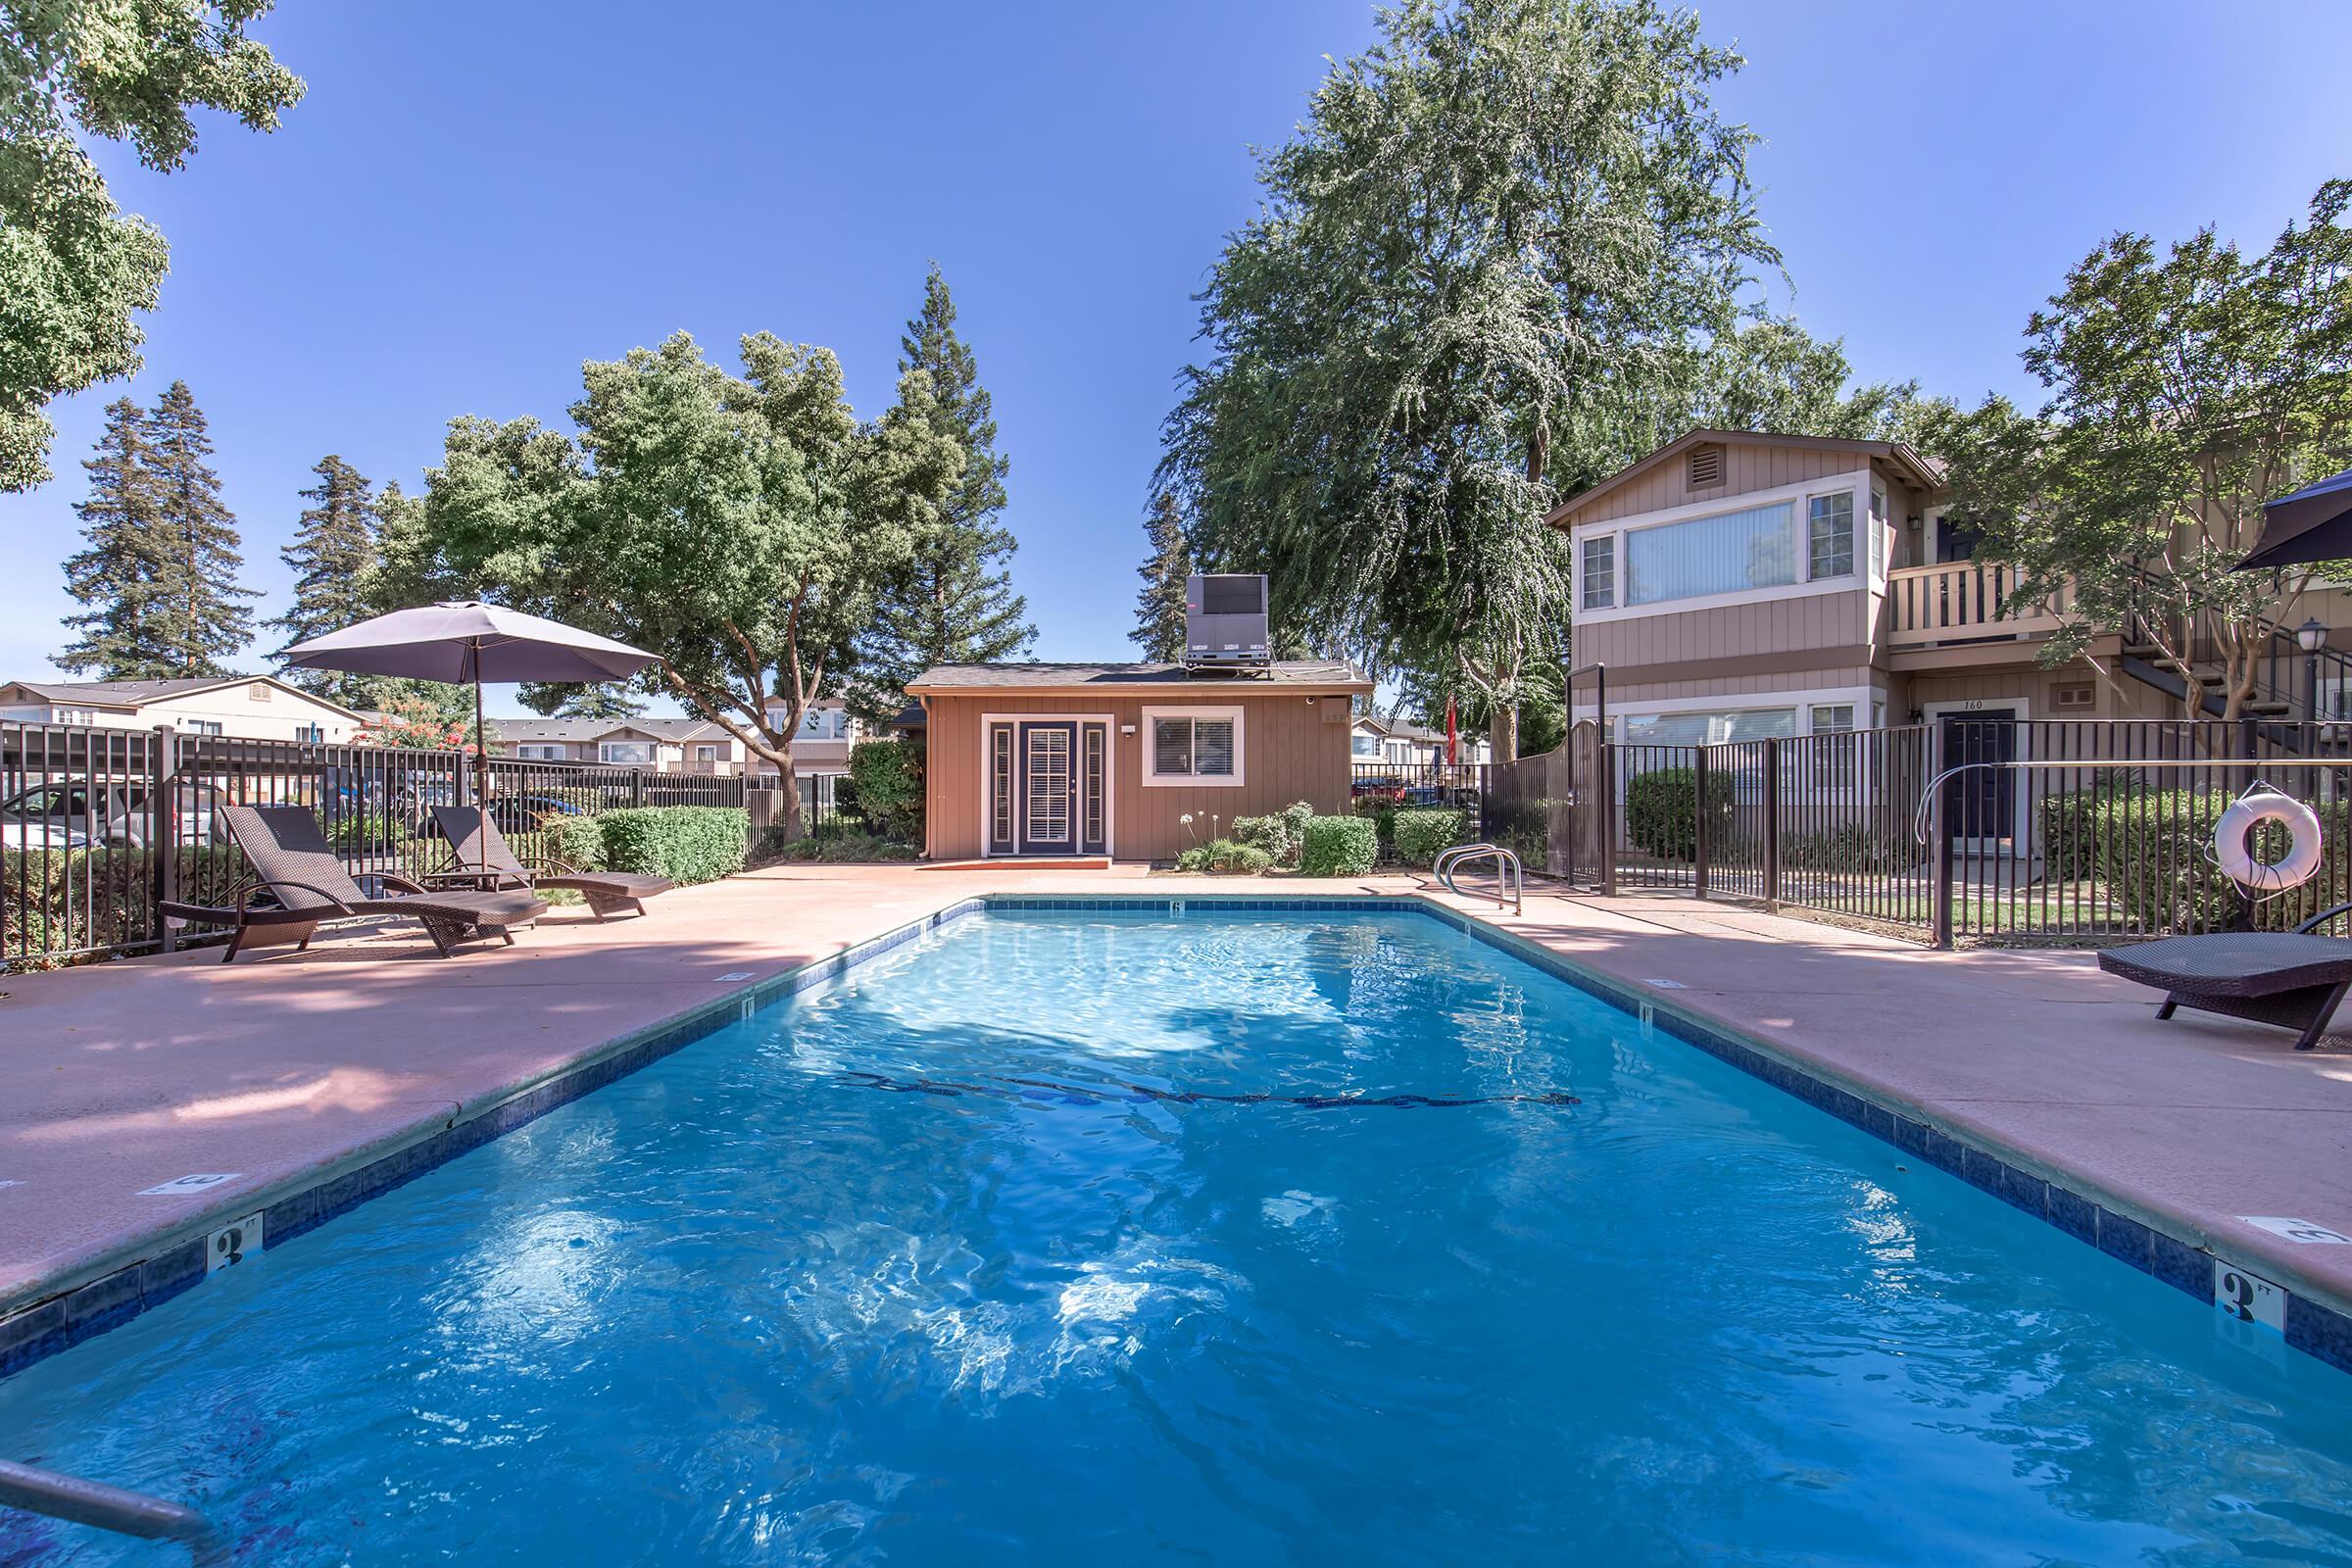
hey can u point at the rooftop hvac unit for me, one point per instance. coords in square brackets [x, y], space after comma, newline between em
[1225, 622]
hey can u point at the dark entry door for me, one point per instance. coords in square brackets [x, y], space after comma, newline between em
[1981, 802]
[1049, 787]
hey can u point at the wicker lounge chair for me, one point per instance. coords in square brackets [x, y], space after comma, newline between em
[292, 864]
[607, 891]
[2293, 979]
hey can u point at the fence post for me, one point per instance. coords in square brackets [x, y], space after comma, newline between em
[1699, 822]
[162, 829]
[1607, 785]
[1772, 826]
[637, 787]
[1940, 915]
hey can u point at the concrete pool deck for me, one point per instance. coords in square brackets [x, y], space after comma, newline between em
[283, 1066]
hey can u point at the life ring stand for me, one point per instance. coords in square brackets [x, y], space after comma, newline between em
[2263, 803]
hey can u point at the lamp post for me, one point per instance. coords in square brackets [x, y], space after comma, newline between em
[2311, 637]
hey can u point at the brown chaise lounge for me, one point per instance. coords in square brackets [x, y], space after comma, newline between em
[292, 864]
[2293, 979]
[607, 891]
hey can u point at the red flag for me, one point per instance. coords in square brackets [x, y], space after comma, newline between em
[1452, 758]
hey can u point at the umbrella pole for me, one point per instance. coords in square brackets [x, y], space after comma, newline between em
[481, 764]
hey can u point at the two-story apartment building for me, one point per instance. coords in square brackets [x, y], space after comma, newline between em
[1741, 585]
[239, 707]
[1398, 743]
[666, 745]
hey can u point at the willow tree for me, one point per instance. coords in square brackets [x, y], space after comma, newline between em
[1500, 242]
[739, 527]
[2187, 385]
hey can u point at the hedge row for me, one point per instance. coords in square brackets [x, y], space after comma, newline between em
[2151, 849]
[686, 843]
[1337, 845]
[69, 900]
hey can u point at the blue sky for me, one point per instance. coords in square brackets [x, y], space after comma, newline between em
[472, 198]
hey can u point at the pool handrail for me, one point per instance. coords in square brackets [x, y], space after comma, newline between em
[125, 1512]
[1508, 873]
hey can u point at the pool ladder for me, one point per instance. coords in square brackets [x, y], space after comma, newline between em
[125, 1513]
[1510, 878]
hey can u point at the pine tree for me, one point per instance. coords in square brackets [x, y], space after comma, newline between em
[118, 579]
[567, 700]
[954, 603]
[334, 549]
[205, 622]
[1159, 604]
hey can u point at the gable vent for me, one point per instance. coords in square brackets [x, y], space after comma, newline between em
[1706, 468]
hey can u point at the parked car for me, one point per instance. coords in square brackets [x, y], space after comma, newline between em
[82, 815]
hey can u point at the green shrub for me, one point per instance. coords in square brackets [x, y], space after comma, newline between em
[1225, 858]
[886, 777]
[837, 847]
[1337, 845]
[1661, 817]
[686, 843]
[56, 904]
[1420, 835]
[1278, 833]
[2066, 824]
[362, 830]
[577, 841]
[2151, 847]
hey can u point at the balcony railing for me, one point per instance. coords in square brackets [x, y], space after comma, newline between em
[1958, 600]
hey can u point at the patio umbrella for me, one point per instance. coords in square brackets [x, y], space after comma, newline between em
[2315, 523]
[463, 641]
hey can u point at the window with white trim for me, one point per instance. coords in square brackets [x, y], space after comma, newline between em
[1600, 572]
[628, 754]
[706, 754]
[1192, 746]
[1830, 533]
[312, 734]
[204, 727]
[1835, 759]
[1705, 727]
[1726, 552]
[1364, 747]
[540, 751]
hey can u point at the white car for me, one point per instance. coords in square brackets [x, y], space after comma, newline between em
[76, 816]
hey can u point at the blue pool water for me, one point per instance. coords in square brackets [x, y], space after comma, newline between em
[1219, 1240]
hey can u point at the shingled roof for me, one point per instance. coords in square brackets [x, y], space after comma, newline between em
[1310, 673]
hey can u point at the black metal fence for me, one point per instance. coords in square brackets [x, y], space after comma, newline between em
[1378, 786]
[98, 824]
[1996, 830]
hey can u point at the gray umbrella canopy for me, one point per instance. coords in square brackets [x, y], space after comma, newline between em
[466, 643]
[2315, 523]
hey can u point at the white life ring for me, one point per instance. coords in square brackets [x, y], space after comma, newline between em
[2298, 866]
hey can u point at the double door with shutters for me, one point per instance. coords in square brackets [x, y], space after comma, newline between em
[1048, 785]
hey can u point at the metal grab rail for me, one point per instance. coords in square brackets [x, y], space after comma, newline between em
[125, 1512]
[1508, 873]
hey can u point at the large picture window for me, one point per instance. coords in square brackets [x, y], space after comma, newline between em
[1716, 727]
[1200, 746]
[628, 754]
[1723, 553]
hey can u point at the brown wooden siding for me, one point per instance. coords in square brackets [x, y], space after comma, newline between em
[1289, 752]
[1745, 469]
[1629, 697]
[1826, 621]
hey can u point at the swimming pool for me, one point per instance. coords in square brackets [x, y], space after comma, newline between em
[1065, 1237]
